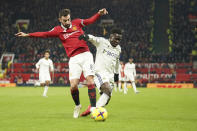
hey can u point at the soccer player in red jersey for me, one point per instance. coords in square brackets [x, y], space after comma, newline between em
[81, 60]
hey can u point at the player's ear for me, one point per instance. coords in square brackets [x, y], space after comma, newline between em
[59, 19]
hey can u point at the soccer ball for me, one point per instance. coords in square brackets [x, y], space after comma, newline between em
[99, 114]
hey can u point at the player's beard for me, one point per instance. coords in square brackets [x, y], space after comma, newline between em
[67, 26]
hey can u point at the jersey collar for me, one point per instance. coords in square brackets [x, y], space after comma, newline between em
[65, 29]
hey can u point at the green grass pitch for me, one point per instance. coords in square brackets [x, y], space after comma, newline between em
[24, 109]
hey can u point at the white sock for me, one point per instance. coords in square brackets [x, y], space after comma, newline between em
[92, 108]
[45, 90]
[134, 86]
[125, 88]
[102, 100]
[119, 86]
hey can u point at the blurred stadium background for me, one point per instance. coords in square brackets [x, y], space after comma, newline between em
[161, 36]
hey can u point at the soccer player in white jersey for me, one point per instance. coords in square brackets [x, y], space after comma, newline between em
[130, 73]
[45, 66]
[106, 64]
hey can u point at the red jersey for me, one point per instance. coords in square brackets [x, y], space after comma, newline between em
[121, 70]
[69, 36]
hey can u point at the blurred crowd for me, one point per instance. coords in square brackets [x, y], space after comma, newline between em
[183, 39]
[134, 17]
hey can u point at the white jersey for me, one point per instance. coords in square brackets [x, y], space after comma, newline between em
[129, 69]
[107, 56]
[44, 65]
[107, 60]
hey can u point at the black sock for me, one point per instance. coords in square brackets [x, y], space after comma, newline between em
[92, 95]
[75, 96]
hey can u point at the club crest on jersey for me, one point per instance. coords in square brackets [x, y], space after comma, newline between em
[74, 28]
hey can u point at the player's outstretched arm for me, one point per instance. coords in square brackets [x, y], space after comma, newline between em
[51, 33]
[22, 34]
[134, 73]
[96, 41]
[92, 19]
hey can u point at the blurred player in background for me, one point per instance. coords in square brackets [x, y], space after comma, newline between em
[106, 64]
[130, 74]
[81, 60]
[45, 66]
[121, 76]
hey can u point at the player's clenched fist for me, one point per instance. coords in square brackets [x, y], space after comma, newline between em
[84, 37]
[103, 11]
[21, 34]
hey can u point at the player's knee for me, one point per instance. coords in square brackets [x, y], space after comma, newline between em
[73, 85]
[90, 80]
[105, 88]
[47, 83]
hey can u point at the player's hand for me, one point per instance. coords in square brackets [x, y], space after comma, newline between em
[84, 37]
[21, 34]
[103, 12]
[37, 70]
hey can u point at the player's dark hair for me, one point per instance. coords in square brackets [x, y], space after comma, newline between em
[64, 12]
[116, 31]
[47, 51]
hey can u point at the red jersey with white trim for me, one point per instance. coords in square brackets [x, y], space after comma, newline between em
[69, 36]
[121, 70]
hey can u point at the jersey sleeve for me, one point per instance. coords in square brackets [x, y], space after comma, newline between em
[96, 41]
[38, 64]
[134, 71]
[117, 66]
[85, 22]
[51, 66]
[51, 33]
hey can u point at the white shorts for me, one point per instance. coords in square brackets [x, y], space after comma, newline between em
[43, 77]
[130, 78]
[81, 63]
[101, 78]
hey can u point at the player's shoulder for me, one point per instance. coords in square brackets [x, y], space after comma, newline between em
[118, 48]
[77, 20]
[41, 59]
[101, 40]
[127, 64]
[50, 60]
[104, 40]
[98, 37]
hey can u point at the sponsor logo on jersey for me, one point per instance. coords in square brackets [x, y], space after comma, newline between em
[110, 53]
[67, 35]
